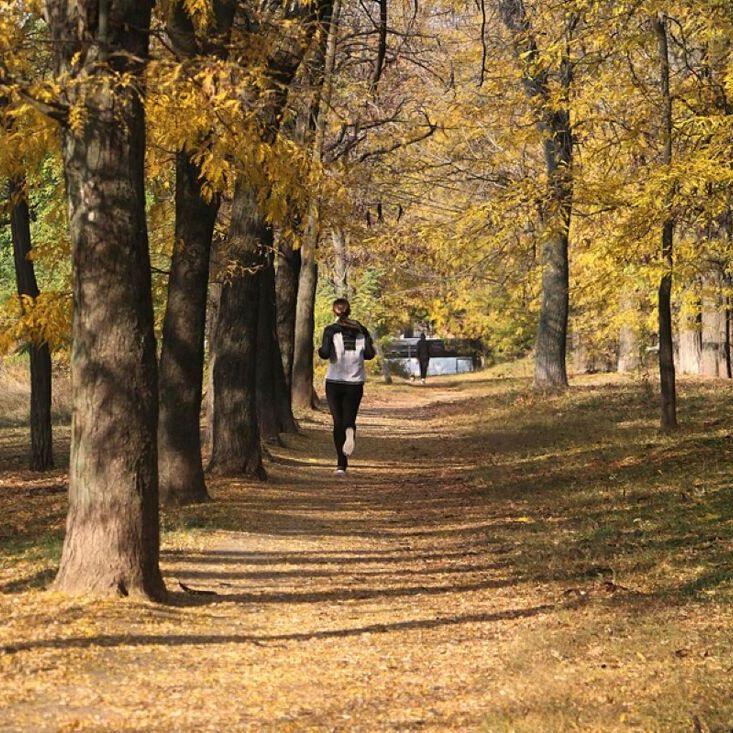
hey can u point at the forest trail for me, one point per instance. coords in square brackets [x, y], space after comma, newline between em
[376, 602]
[447, 584]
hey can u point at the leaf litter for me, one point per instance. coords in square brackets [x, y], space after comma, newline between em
[478, 571]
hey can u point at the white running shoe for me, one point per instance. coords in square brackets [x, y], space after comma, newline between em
[349, 443]
[340, 472]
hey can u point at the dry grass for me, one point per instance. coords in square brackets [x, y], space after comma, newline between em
[499, 561]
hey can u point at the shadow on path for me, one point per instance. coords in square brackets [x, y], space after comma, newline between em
[203, 639]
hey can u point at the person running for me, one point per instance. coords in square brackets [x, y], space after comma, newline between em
[423, 356]
[346, 344]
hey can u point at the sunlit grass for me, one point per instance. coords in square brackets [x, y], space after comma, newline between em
[525, 561]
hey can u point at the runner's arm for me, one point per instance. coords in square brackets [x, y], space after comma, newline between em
[369, 352]
[326, 348]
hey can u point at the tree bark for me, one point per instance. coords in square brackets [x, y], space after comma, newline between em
[554, 123]
[112, 532]
[382, 30]
[236, 446]
[303, 390]
[212, 318]
[689, 348]
[712, 328]
[668, 418]
[727, 361]
[273, 397]
[551, 343]
[266, 404]
[629, 347]
[182, 356]
[340, 263]
[286, 286]
[235, 381]
[302, 385]
[40, 354]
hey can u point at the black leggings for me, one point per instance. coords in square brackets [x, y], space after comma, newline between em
[423, 367]
[343, 401]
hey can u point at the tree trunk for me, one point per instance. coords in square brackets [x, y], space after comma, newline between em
[40, 354]
[551, 344]
[182, 355]
[689, 348]
[112, 532]
[286, 285]
[302, 385]
[554, 122]
[727, 361]
[712, 329]
[666, 353]
[212, 318]
[273, 397]
[236, 446]
[236, 434]
[303, 390]
[628, 350]
[583, 362]
[629, 347]
[266, 404]
[668, 419]
[340, 263]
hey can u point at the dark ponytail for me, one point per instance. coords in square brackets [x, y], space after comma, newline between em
[341, 308]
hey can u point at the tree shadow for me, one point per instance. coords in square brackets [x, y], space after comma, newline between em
[133, 640]
[36, 581]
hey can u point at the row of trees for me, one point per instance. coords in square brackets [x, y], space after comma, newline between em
[207, 85]
[525, 171]
[584, 167]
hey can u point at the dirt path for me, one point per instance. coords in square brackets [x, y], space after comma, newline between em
[418, 594]
[378, 602]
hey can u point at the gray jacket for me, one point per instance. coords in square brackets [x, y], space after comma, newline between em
[346, 345]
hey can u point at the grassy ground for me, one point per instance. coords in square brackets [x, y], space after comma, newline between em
[498, 561]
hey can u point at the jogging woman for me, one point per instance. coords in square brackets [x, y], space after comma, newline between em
[346, 344]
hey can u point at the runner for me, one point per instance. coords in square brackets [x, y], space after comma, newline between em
[346, 344]
[423, 357]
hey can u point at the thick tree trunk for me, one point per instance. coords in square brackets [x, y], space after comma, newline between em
[383, 363]
[286, 281]
[628, 350]
[236, 434]
[668, 419]
[550, 364]
[182, 355]
[273, 397]
[236, 446]
[112, 532]
[40, 355]
[583, 362]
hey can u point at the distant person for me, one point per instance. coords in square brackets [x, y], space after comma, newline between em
[346, 344]
[423, 357]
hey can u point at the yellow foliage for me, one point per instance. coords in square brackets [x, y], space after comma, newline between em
[45, 319]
